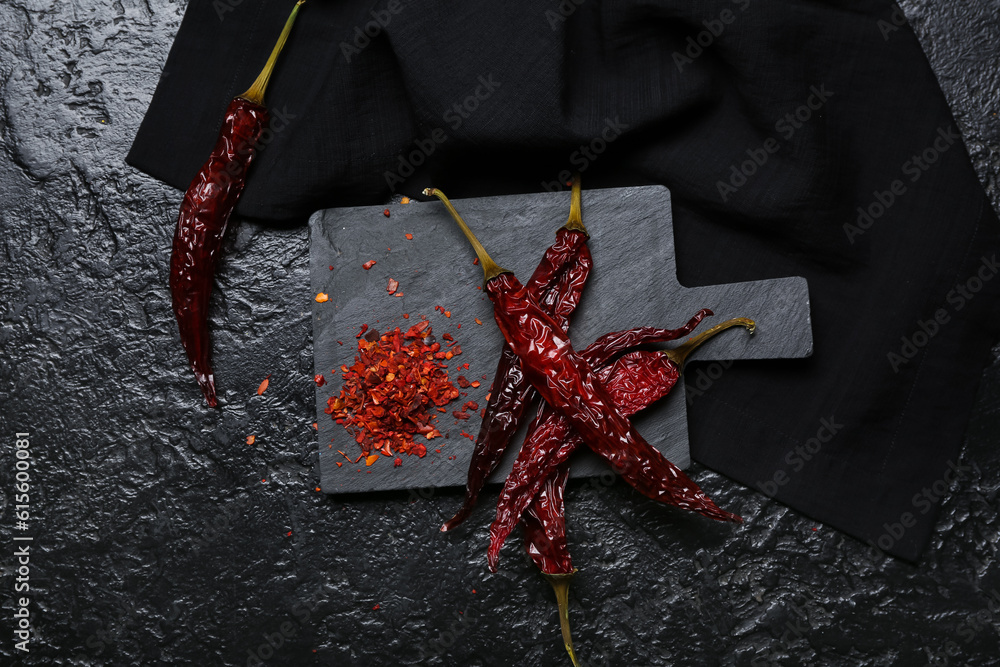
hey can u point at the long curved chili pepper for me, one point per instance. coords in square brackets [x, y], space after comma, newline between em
[545, 519]
[634, 381]
[556, 286]
[208, 203]
[566, 382]
[545, 540]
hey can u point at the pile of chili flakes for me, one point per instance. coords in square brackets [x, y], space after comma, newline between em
[388, 392]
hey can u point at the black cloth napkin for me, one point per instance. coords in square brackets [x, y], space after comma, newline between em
[797, 138]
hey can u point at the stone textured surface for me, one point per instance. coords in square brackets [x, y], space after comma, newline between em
[160, 542]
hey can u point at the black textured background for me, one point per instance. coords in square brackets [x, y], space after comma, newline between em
[158, 540]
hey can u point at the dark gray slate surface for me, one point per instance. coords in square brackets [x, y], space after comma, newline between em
[633, 283]
[158, 544]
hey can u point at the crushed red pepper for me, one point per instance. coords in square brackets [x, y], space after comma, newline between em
[389, 391]
[369, 264]
[392, 286]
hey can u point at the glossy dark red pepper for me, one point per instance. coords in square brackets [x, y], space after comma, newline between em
[201, 225]
[556, 286]
[204, 216]
[566, 381]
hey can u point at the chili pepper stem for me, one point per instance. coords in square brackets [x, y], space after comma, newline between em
[560, 584]
[575, 221]
[490, 268]
[255, 93]
[679, 354]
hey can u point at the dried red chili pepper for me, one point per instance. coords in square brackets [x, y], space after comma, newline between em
[566, 382]
[556, 286]
[204, 215]
[634, 381]
[545, 541]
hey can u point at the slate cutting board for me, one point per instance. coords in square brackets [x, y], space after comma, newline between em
[633, 283]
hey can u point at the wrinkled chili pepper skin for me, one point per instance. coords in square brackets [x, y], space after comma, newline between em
[566, 382]
[556, 286]
[545, 526]
[201, 225]
[634, 381]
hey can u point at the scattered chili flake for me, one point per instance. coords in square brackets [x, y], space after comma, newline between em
[475, 262]
[320, 380]
[263, 385]
[289, 534]
[404, 200]
[369, 264]
[340, 342]
[392, 286]
[409, 237]
[447, 313]
[386, 213]
[398, 462]
[479, 321]
[460, 415]
[470, 405]
[364, 328]
[475, 385]
[315, 426]
[447, 336]
[465, 366]
[331, 267]
[398, 294]
[473, 591]
[463, 382]
[459, 325]
[406, 316]
[376, 607]
[322, 297]
[339, 464]
[437, 451]
[251, 439]
[388, 393]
